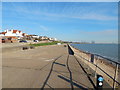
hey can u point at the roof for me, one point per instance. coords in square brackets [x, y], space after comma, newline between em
[14, 31]
[23, 34]
[3, 32]
[19, 31]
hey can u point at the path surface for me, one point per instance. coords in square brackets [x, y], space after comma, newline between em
[43, 67]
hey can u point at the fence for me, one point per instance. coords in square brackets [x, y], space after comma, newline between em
[108, 68]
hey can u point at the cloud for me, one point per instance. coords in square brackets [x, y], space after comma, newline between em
[43, 28]
[92, 16]
[106, 32]
[96, 16]
[68, 12]
[100, 33]
[98, 36]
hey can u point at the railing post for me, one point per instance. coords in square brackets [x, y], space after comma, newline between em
[118, 85]
[92, 58]
[96, 67]
[115, 76]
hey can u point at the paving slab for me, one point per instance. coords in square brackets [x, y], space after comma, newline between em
[44, 66]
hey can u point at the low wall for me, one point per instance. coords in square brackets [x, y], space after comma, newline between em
[14, 48]
[104, 65]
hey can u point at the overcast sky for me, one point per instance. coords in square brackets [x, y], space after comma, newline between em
[78, 21]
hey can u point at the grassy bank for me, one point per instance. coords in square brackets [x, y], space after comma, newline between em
[44, 44]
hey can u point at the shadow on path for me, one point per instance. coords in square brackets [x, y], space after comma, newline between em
[75, 84]
[86, 74]
[70, 51]
[49, 73]
[59, 64]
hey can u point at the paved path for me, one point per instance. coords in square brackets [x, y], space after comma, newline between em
[43, 67]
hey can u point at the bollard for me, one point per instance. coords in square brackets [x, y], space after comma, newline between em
[99, 82]
[32, 47]
[65, 46]
[25, 48]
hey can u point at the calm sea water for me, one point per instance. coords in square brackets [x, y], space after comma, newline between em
[107, 50]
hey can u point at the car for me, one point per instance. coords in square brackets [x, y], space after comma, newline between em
[35, 41]
[23, 41]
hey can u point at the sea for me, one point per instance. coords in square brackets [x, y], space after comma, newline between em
[109, 51]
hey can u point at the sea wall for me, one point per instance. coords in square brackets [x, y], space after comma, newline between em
[100, 66]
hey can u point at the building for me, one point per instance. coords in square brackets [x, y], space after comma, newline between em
[32, 37]
[44, 38]
[52, 39]
[15, 33]
[35, 36]
[24, 34]
[11, 35]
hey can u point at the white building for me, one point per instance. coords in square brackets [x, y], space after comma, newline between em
[52, 39]
[44, 38]
[55, 39]
[35, 36]
[15, 33]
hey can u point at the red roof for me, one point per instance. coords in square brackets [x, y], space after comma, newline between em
[23, 34]
[3, 32]
[14, 31]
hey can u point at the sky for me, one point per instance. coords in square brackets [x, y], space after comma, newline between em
[68, 21]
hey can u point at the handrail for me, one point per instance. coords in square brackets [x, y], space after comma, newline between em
[116, 63]
[100, 56]
[107, 59]
[101, 70]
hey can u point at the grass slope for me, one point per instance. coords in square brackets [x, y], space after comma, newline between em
[44, 44]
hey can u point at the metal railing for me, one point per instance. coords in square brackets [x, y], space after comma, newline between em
[114, 64]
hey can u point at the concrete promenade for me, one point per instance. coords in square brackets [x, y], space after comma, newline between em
[44, 67]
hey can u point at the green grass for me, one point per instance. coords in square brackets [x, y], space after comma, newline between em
[44, 44]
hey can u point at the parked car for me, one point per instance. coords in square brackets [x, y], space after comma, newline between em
[35, 41]
[23, 41]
